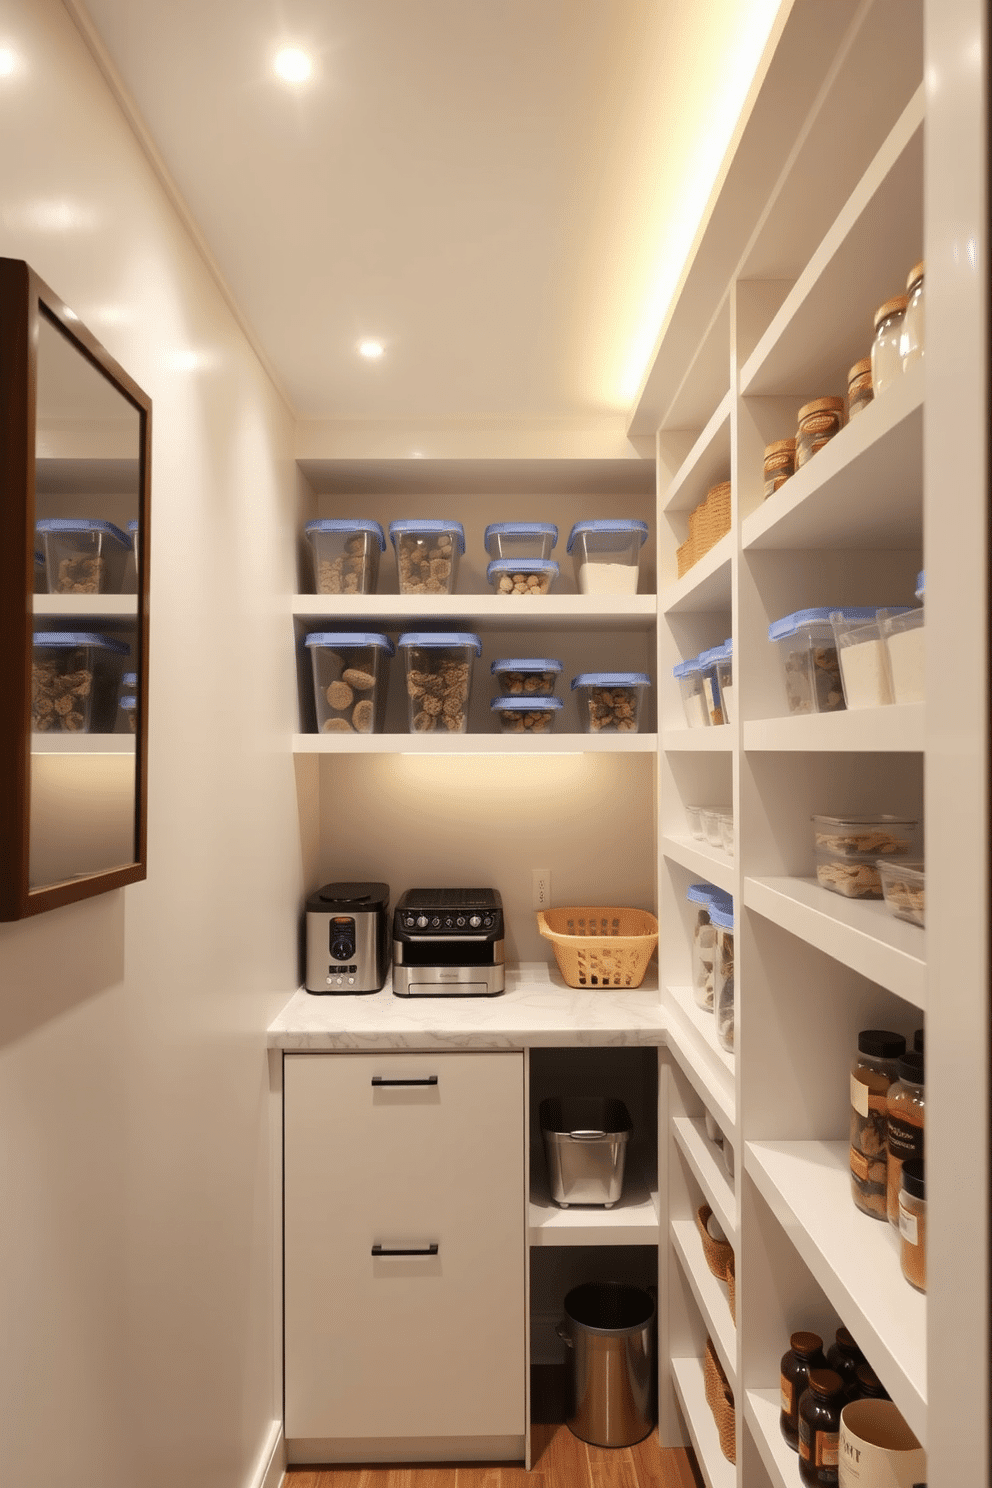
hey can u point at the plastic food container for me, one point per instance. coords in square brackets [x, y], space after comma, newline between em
[847, 850]
[439, 679]
[521, 539]
[427, 553]
[709, 662]
[809, 657]
[607, 555]
[529, 676]
[711, 825]
[722, 916]
[903, 886]
[585, 1144]
[725, 678]
[522, 575]
[862, 653]
[349, 680]
[690, 679]
[694, 818]
[726, 819]
[703, 896]
[74, 682]
[921, 585]
[40, 573]
[83, 556]
[610, 702]
[127, 716]
[526, 715]
[129, 583]
[345, 555]
[904, 644]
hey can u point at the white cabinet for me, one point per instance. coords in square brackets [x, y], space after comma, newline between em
[405, 1243]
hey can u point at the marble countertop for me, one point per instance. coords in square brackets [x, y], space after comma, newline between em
[536, 1010]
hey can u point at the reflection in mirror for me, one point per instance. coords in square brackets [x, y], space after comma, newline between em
[85, 636]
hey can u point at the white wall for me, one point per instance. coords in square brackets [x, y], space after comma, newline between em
[137, 1304]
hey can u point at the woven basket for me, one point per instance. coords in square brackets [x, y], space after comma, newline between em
[686, 555]
[731, 1280]
[720, 1400]
[715, 519]
[717, 1252]
[600, 946]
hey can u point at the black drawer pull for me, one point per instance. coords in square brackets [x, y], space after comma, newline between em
[383, 1080]
[427, 1250]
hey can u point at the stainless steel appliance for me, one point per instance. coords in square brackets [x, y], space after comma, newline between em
[448, 943]
[347, 937]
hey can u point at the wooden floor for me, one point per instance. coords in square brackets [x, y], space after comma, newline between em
[560, 1461]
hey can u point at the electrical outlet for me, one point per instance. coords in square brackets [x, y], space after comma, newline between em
[541, 888]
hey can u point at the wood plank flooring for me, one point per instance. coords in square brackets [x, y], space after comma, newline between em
[560, 1461]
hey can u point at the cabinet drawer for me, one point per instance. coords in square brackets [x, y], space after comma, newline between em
[404, 1345]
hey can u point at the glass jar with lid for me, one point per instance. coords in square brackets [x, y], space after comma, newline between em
[873, 1071]
[870, 1387]
[886, 349]
[912, 334]
[819, 1428]
[819, 421]
[843, 1357]
[859, 389]
[780, 463]
[913, 1224]
[805, 1352]
[904, 1136]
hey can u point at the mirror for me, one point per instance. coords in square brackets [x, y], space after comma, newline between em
[75, 447]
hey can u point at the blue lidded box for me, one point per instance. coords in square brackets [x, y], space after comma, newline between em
[526, 715]
[83, 555]
[521, 539]
[522, 575]
[607, 555]
[810, 663]
[610, 702]
[350, 677]
[527, 676]
[439, 679]
[74, 681]
[689, 675]
[427, 553]
[345, 553]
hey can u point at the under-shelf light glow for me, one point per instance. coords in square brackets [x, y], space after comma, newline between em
[292, 65]
[8, 62]
[371, 350]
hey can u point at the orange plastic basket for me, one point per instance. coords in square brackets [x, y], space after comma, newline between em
[600, 946]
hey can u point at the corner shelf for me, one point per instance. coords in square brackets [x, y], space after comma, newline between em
[708, 1066]
[699, 1152]
[710, 1295]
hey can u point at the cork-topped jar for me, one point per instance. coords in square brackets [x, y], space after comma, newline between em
[780, 463]
[911, 338]
[886, 352]
[819, 421]
[859, 389]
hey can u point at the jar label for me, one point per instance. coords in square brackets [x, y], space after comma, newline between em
[859, 1165]
[905, 1139]
[859, 1097]
[826, 1448]
[908, 1227]
[786, 1396]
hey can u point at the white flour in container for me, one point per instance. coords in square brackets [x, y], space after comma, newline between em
[608, 578]
[906, 664]
[866, 678]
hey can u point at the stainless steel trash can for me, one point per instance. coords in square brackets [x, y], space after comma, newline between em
[609, 1329]
[585, 1144]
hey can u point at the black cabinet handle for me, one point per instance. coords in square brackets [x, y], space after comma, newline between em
[382, 1080]
[426, 1250]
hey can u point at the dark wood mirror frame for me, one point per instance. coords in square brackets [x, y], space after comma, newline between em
[24, 300]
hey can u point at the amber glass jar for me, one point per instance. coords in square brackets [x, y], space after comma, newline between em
[819, 1428]
[873, 1072]
[843, 1357]
[859, 389]
[805, 1352]
[913, 1225]
[870, 1387]
[819, 421]
[780, 463]
[905, 1106]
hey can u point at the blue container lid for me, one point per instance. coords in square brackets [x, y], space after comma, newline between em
[702, 893]
[529, 704]
[427, 527]
[128, 702]
[920, 584]
[521, 529]
[722, 913]
[342, 640]
[441, 639]
[523, 565]
[525, 664]
[713, 655]
[62, 639]
[129, 679]
[690, 668]
[611, 679]
[342, 524]
[790, 625]
[132, 527]
[619, 525]
[38, 557]
[80, 525]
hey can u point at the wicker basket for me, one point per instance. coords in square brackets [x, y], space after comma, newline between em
[714, 520]
[686, 555]
[600, 946]
[720, 1399]
[717, 1252]
[731, 1280]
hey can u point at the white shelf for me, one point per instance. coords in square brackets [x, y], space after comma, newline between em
[762, 1409]
[706, 585]
[632, 1221]
[687, 1376]
[706, 463]
[474, 743]
[82, 743]
[709, 1067]
[897, 729]
[854, 1258]
[711, 863]
[860, 933]
[710, 1295]
[711, 1175]
[699, 740]
[635, 612]
[92, 606]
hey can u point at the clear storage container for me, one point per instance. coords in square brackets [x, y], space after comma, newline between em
[585, 1145]
[522, 575]
[710, 662]
[521, 539]
[808, 652]
[819, 421]
[129, 583]
[345, 554]
[712, 830]
[83, 555]
[847, 850]
[904, 889]
[779, 464]
[528, 676]
[427, 554]
[690, 679]
[127, 713]
[859, 389]
[727, 831]
[725, 679]
[913, 332]
[607, 555]
[610, 702]
[886, 354]
[439, 679]
[40, 573]
[75, 681]
[350, 675]
[702, 896]
[526, 715]
[863, 658]
[724, 1000]
[904, 644]
[694, 819]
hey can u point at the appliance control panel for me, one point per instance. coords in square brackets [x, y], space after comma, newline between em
[450, 912]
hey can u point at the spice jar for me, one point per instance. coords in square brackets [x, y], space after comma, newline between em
[819, 421]
[904, 1127]
[913, 1224]
[911, 337]
[859, 389]
[843, 1357]
[819, 1428]
[780, 463]
[874, 1070]
[805, 1352]
[886, 356]
[870, 1387]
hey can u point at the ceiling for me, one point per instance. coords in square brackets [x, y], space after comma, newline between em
[502, 192]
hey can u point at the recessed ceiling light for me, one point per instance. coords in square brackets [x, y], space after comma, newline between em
[371, 349]
[292, 65]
